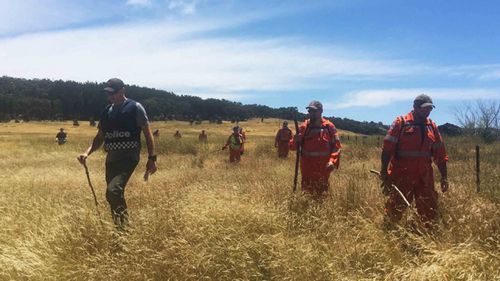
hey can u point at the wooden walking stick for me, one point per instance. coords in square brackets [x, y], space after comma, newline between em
[297, 158]
[394, 187]
[93, 192]
[90, 184]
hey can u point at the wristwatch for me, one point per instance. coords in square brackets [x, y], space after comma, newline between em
[152, 158]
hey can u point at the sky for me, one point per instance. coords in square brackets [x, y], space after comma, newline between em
[363, 59]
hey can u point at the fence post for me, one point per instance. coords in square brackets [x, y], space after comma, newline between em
[478, 170]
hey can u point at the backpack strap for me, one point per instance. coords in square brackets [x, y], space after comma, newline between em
[400, 133]
[306, 130]
[437, 143]
[332, 140]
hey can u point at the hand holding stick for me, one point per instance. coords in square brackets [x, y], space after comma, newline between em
[394, 187]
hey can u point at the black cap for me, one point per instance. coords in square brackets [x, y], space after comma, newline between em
[114, 85]
[315, 105]
[423, 101]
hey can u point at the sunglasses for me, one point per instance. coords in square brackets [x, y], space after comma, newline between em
[427, 108]
[312, 110]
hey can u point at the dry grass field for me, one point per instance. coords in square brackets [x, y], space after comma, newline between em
[201, 218]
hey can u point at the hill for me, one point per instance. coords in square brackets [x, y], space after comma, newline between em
[44, 99]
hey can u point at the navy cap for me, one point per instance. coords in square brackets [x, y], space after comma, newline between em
[114, 85]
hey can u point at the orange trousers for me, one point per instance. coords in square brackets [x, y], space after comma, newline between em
[283, 148]
[418, 187]
[234, 155]
[315, 175]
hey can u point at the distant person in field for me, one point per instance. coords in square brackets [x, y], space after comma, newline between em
[92, 122]
[320, 144]
[120, 126]
[244, 136]
[235, 143]
[76, 123]
[282, 140]
[177, 134]
[412, 143]
[203, 137]
[156, 133]
[61, 137]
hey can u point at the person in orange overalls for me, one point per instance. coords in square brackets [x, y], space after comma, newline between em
[203, 137]
[235, 143]
[282, 139]
[156, 133]
[412, 142]
[177, 134]
[244, 136]
[320, 150]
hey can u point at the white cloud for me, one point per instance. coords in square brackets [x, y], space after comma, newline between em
[140, 3]
[179, 56]
[34, 15]
[473, 71]
[185, 7]
[384, 97]
[169, 55]
[491, 75]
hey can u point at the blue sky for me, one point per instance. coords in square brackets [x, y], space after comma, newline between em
[365, 60]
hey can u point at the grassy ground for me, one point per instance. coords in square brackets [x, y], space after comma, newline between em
[200, 218]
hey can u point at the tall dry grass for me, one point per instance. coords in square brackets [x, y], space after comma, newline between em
[200, 218]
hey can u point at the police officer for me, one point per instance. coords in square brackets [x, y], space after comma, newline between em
[61, 136]
[119, 129]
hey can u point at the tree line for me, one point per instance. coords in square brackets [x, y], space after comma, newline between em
[44, 99]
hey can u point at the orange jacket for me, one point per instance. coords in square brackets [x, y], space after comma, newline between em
[283, 135]
[319, 141]
[407, 147]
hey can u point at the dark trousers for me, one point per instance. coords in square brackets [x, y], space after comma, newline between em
[117, 175]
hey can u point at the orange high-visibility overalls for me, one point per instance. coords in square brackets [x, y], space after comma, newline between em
[412, 148]
[320, 145]
[203, 137]
[235, 143]
[282, 140]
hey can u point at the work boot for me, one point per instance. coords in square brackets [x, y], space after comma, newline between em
[120, 218]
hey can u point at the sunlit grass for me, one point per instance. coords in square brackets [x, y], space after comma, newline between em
[201, 218]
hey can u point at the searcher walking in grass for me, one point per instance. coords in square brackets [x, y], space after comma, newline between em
[412, 143]
[119, 129]
[282, 140]
[235, 143]
[320, 150]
